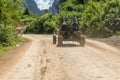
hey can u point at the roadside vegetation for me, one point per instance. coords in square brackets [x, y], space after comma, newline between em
[5, 49]
[11, 13]
[97, 18]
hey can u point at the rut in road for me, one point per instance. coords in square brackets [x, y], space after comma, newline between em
[49, 64]
[45, 61]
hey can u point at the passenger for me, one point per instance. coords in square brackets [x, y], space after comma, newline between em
[64, 24]
[75, 24]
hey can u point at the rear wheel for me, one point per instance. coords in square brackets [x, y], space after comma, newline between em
[82, 40]
[60, 40]
[54, 39]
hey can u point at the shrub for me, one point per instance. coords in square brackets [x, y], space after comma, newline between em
[8, 35]
[117, 33]
[43, 24]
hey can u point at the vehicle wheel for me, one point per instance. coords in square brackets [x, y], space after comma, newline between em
[82, 40]
[60, 40]
[54, 39]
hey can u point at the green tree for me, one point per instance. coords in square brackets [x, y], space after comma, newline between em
[26, 12]
[10, 15]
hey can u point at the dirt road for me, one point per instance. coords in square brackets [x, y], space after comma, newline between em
[44, 61]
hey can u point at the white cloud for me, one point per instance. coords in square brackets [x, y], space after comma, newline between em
[44, 4]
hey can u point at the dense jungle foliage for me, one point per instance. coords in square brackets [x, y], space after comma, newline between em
[10, 16]
[97, 18]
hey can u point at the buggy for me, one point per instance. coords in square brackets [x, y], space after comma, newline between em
[69, 31]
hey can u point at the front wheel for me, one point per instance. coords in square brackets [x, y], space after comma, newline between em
[82, 40]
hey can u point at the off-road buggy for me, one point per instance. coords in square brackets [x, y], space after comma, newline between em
[69, 31]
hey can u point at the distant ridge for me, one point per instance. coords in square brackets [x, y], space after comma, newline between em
[33, 7]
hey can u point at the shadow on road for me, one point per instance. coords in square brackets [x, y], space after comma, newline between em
[68, 45]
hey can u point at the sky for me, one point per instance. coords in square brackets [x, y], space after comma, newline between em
[44, 4]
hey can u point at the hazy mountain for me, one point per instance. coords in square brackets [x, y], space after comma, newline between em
[55, 7]
[39, 6]
[32, 6]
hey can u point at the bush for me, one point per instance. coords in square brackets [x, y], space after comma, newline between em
[8, 35]
[117, 33]
[101, 19]
[50, 26]
[44, 24]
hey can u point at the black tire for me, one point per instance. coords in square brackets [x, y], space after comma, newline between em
[82, 40]
[54, 39]
[60, 40]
